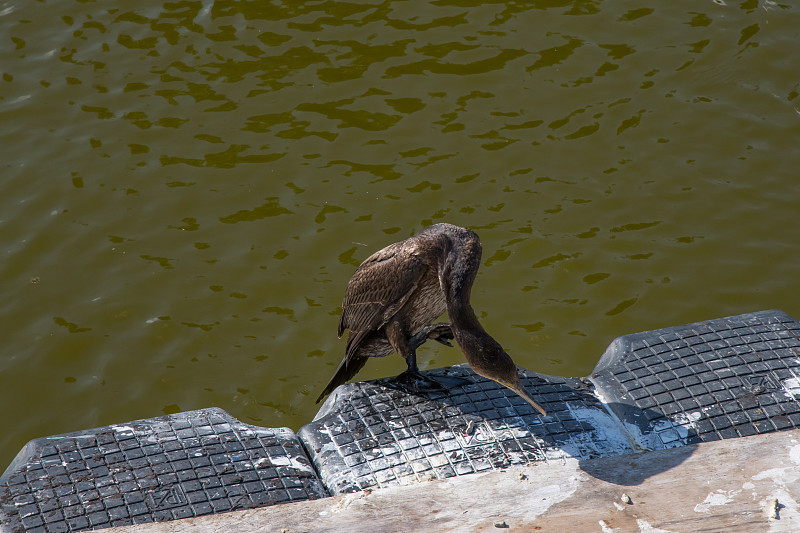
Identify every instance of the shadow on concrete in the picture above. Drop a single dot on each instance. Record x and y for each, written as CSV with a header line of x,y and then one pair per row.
x,y
658,443
634,469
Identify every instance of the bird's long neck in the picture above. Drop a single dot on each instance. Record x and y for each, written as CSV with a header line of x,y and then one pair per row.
x,y
457,274
462,317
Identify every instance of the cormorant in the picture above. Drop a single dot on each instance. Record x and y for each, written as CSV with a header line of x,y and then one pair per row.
x,y
395,295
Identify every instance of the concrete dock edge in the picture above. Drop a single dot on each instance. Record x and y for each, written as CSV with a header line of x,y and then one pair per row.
x,y
748,484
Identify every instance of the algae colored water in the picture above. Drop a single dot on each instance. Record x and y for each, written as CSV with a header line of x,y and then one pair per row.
x,y
187,186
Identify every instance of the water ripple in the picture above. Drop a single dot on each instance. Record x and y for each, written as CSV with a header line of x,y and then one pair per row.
x,y
188,186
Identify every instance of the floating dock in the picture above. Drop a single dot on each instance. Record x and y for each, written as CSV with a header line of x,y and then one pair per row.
x,y
688,428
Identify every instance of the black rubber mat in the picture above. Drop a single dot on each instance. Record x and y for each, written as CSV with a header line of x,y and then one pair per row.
x,y
187,464
718,379
370,435
722,378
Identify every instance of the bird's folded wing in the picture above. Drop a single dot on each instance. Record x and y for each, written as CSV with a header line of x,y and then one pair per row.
x,y
378,289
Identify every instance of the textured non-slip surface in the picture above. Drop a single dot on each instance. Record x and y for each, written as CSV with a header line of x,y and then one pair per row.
x,y
370,435
177,466
718,379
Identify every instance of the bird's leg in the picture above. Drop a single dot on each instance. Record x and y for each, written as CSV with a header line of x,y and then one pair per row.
x,y
412,379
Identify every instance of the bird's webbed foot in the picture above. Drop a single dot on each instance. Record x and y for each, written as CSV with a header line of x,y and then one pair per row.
x,y
441,333
415,381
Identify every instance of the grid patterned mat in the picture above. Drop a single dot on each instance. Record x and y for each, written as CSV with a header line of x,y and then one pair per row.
x,y
718,379
722,378
187,464
369,435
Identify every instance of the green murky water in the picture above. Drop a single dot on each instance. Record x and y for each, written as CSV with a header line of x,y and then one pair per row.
x,y
187,186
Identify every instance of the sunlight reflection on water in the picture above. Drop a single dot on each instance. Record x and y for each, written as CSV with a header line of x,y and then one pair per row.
x,y
188,186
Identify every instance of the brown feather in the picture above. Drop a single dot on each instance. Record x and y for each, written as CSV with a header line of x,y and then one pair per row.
x,y
403,288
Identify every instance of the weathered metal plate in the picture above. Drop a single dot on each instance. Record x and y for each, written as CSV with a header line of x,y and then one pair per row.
x,y
371,435
188,464
718,379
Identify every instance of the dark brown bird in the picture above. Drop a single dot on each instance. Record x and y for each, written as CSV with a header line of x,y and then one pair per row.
x,y
395,295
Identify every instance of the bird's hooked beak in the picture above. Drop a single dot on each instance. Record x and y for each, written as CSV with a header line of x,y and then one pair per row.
x,y
517,388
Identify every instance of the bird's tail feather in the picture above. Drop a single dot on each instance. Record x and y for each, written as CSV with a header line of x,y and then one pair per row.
x,y
348,368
